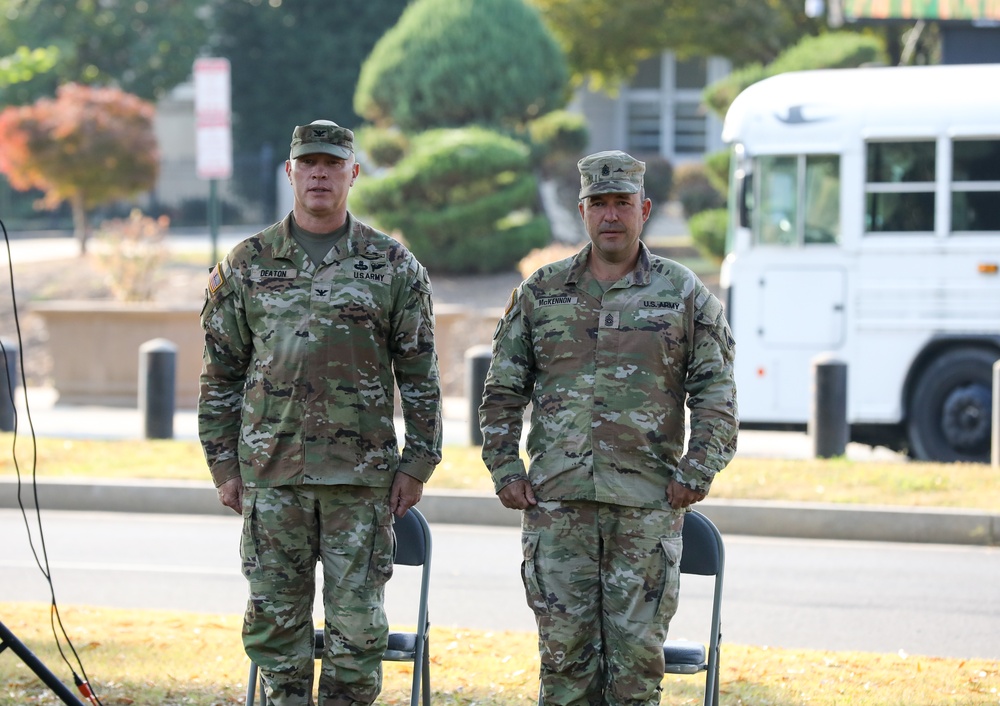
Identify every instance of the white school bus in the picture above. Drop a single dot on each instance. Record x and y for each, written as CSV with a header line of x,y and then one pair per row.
x,y
865,222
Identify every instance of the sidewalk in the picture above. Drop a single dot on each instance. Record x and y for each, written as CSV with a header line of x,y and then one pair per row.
x,y
776,519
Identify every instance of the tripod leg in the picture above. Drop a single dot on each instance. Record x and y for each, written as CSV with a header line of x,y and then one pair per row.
x,y
7,639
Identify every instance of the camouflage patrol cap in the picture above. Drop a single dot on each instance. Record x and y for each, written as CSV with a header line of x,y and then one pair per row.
x,y
612,172
323,136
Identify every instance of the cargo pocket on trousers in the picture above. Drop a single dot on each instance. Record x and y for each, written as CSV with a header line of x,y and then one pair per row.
x,y
672,546
383,548
529,574
249,547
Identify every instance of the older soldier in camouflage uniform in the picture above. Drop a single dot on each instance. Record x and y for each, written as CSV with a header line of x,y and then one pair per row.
x,y
307,326
607,346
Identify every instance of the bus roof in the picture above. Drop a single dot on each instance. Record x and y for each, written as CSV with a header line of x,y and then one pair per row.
x,y
822,109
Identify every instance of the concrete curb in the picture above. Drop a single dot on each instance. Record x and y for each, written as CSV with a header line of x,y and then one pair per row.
x,y
768,519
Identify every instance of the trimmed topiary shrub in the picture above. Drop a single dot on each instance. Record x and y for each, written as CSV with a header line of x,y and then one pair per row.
x,y
465,200
557,135
658,179
717,170
694,191
708,233
447,64
383,147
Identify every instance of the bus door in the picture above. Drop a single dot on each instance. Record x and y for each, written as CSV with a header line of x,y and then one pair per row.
x,y
802,314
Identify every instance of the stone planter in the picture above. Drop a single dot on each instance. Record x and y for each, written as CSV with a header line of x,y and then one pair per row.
x,y
94,347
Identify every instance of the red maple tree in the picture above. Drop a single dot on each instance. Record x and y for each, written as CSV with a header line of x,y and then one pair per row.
x,y
88,146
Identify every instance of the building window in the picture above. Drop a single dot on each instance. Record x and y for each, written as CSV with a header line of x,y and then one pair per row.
x,y
663,110
644,126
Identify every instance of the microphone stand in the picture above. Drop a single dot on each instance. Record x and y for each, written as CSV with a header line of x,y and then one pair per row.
x,y
8,639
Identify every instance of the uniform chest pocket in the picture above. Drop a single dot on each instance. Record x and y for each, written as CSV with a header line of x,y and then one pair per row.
x,y
665,327
559,329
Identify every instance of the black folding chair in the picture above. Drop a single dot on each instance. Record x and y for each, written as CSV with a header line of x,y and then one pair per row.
x,y
413,548
705,555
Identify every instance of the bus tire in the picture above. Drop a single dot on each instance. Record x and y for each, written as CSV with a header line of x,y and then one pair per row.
x,y
950,410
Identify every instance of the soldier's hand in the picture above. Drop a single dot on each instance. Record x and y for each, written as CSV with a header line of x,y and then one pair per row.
x,y
517,495
680,496
406,492
231,494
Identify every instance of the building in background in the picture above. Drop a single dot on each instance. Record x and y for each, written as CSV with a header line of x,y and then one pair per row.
x,y
659,112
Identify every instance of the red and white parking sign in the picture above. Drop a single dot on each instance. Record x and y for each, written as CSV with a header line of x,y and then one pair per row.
x,y
213,129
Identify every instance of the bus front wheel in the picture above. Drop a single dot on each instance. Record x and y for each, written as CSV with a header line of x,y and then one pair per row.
x,y
950,410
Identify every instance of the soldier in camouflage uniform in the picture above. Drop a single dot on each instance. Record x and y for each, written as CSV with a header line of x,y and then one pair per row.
x,y
608,346
308,324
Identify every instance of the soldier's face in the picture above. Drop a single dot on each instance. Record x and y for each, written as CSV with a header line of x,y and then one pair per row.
x,y
321,182
614,223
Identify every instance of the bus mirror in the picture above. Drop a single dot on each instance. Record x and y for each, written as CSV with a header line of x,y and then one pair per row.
x,y
744,191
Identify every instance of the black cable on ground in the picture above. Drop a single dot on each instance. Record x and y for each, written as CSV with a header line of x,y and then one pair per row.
x,y
41,559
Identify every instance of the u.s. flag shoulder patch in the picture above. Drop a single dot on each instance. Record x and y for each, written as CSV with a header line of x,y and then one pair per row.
x,y
216,279
511,302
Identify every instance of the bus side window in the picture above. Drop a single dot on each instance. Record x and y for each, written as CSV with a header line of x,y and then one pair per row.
x,y
822,200
799,200
777,211
975,175
899,187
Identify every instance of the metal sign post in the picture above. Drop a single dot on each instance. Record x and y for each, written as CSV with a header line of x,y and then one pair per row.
x,y
214,139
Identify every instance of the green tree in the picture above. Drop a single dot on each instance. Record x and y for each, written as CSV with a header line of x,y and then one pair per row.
x,y
604,42
24,64
88,146
448,64
293,62
144,47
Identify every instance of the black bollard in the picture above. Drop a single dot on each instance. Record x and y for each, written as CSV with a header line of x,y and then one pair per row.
x,y
477,364
828,426
8,384
157,366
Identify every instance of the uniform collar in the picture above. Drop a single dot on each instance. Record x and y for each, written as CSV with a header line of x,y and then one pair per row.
x,y
353,244
641,275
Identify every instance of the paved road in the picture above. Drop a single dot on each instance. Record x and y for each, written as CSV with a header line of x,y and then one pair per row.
x,y
867,596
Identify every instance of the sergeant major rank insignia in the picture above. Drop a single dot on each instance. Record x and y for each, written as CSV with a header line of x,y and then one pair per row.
x,y
610,319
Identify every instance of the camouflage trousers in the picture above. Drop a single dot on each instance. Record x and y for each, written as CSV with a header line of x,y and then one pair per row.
x,y
286,531
603,582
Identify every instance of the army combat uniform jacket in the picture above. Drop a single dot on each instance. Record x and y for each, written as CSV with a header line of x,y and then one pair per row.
x,y
300,360
608,375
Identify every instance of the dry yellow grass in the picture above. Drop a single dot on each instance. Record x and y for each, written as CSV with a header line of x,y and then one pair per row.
x,y
815,480
160,658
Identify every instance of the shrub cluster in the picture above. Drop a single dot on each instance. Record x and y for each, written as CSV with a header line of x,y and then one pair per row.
x,y
658,179
708,232
383,147
694,190
556,136
465,200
